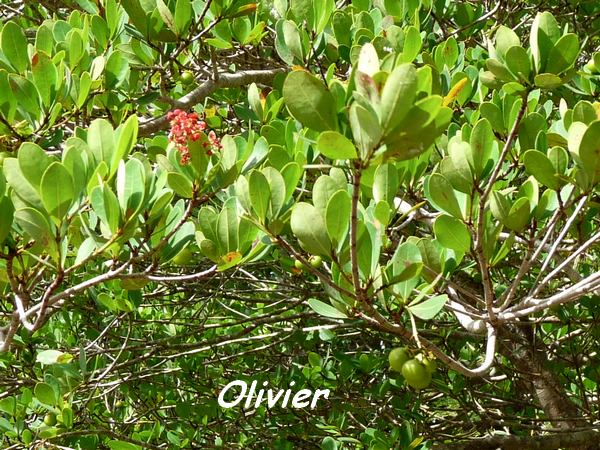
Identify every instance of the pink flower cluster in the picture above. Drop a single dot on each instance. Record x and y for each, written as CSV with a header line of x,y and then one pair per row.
x,y
187,127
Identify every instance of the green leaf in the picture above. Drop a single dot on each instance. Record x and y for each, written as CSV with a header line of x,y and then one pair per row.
x,y
260,194
547,81
33,162
277,190
166,15
440,193
45,394
23,188
309,227
482,144
385,183
49,357
227,226
397,96
428,309
365,129
323,189
334,145
499,205
325,310
101,140
35,225
452,233
7,211
518,216
406,262
545,32
180,184
505,39
538,165
57,190
122,445
518,62
499,70
117,66
337,216
14,46
564,54
106,206
309,101
45,77
127,137
589,151
131,185
183,16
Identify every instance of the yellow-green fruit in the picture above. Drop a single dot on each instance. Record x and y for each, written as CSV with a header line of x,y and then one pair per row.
x,y
187,77
50,419
430,365
315,261
183,258
397,358
298,264
416,374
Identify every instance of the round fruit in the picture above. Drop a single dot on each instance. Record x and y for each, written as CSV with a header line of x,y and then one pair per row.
x,y
430,365
187,77
50,419
315,261
298,264
397,358
183,258
416,374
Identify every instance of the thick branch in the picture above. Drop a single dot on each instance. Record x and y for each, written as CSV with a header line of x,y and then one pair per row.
x,y
546,442
225,80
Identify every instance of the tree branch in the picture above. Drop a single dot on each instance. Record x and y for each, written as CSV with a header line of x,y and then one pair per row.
x,y
225,80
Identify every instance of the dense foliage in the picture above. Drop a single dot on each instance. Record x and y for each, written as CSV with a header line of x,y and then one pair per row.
x,y
194,192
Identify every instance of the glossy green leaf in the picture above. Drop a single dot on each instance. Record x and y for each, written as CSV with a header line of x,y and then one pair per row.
x,y
101,140
7,211
440,193
517,61
57,190
545,32
547,81
35,225
564,54
14,46
45,77
406,262
397,96
309,227
334,145
429,308
589,151
33,162
538,165
385,183
277,190
452,233
337,216
260,194
49,357
365,129
309,101
181,184
505,39
325,310
45,394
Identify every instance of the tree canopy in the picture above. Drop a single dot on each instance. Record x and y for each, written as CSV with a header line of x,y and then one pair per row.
x,y
393,200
